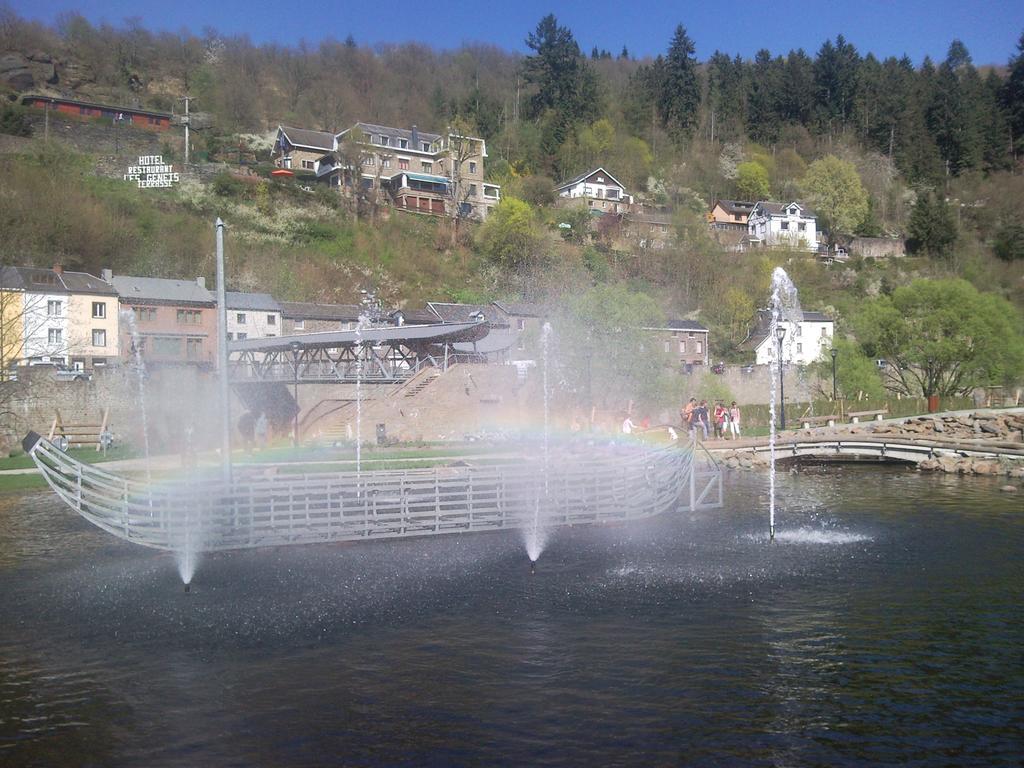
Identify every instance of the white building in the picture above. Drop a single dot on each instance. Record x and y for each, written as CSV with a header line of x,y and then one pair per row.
x,y
802,344
778,225
601,190
253,316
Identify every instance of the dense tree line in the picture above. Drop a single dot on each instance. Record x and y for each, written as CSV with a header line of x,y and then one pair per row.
x,y
933,121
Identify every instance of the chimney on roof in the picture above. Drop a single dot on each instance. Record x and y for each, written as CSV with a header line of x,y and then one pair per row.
x,y
107,274
58,268
201,282
415,138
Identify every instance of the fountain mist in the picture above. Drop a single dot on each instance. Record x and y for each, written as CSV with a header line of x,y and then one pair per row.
x,y
536,536
785,307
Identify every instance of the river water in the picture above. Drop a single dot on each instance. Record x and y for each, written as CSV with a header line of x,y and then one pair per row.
x,y
883,626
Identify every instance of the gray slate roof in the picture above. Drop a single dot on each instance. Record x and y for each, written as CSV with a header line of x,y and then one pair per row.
x,y
734,207
775,209
577,179
675,324
46,280
161,289
306,138
301,310
395,133
259,302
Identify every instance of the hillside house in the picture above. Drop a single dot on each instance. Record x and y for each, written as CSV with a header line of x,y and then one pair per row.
x,y
730,214
57,316
649,229
602,192
299,149
252,316
777,225
173,321
685,341
299,317
143,118
412,170
802,344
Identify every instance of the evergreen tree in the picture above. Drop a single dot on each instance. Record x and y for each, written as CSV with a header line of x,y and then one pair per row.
x,y
798,96
764,99
932,227
953,113
835,75
624,55
679,89
726,99
1013,97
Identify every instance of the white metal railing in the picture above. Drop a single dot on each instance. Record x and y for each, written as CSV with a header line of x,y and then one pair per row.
x,y
262,509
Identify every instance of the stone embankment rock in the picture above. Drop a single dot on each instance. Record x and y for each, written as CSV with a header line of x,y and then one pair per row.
x,y
981,425
741,459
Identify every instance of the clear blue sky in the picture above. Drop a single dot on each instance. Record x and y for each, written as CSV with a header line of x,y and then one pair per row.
x,y
989,29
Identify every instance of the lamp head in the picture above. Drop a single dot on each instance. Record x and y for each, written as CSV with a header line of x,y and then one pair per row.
x,y
780,332
834,353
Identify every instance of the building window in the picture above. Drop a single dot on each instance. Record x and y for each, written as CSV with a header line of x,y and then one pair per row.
x,y
472,166
385,162
99,309
801,226
271,319
54,335
824,331
799,331
799,348
520,324
368,160
308,165
53,308
286,161
242,336
189,316
682,346
700,348
785,226
427,167
167,346
194,348
403,144
231,336
384,141
99,337
403,163
240,318
425,146
144,314
300,325
472,190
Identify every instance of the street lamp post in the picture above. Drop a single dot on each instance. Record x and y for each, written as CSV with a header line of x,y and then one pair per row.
x,y
295,347
780,333
834,353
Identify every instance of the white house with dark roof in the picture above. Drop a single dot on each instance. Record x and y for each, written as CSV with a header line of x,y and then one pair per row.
x,y
783,225
802,344
253,316
602,191
685,341
299,149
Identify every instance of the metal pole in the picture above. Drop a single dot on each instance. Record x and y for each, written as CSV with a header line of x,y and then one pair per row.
x,y
295,390
222,349
186,121
782,390
833,376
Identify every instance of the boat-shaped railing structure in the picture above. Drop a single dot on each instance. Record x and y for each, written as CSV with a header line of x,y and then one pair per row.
x,y
265,505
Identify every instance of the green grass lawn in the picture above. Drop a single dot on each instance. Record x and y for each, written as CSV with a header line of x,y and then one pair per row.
x,y
84,455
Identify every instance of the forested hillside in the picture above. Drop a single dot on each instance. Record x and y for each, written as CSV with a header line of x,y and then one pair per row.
x,y
930,151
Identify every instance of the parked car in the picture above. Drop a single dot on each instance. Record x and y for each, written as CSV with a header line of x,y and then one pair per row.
x,y
747,369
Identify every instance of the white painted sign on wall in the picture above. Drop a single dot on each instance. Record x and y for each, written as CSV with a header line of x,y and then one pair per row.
x,y
152,172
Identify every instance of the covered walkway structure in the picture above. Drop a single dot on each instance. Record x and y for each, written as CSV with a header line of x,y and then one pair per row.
x,y
375,355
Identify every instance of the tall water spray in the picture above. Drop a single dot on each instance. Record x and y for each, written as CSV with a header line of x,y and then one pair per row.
x,y
785,308
360,324
536,536
128,318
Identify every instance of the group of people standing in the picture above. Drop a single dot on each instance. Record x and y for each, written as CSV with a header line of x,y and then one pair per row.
x,y
698,419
